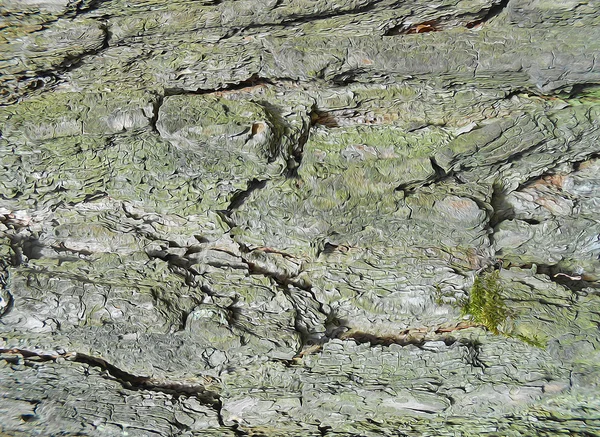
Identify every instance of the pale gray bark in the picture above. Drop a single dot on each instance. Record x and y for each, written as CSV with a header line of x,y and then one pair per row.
x,y
268,217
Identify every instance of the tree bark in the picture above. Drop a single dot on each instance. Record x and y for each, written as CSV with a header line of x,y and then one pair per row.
x,y
299,217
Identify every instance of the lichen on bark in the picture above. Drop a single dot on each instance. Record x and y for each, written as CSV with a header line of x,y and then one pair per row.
x,y
299,217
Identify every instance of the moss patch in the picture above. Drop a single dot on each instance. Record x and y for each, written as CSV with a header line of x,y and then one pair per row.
x,y
486,305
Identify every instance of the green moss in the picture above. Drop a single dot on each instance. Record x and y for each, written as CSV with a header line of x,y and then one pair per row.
x,y
486,305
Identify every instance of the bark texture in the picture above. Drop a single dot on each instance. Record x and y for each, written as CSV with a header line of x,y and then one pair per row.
x,y
300,217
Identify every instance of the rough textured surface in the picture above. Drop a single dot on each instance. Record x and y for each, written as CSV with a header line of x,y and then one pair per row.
x,y
298,217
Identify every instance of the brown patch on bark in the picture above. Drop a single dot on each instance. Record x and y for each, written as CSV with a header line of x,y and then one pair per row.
x,y
556,180
424,27
258,128
323,119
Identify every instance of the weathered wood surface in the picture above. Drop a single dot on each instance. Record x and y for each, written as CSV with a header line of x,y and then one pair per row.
x,y
268,217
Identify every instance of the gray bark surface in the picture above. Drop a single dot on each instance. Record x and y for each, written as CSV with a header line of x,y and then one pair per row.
x,y
300,218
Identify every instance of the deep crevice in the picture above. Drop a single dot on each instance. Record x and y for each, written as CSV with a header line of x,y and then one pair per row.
x,y
238,199
407,337
445,23
583,89
126,379
494,11
253,80
422,27
568,279
440,175
81,7
70,63
323,118
473,348
502,210
156,105
280,127
324,430
38,80
351,76
303,19
297,152
530,221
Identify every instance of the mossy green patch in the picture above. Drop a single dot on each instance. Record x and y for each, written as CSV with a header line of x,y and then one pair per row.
x,y
486,305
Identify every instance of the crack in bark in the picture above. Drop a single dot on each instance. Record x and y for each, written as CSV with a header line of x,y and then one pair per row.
x,y
80,9
156,105
36,81
6,297
408,337
582,89
575,165
472,358
568,279
129,381
445,22
237,30
494,11
284,282
238,199
411,336
254,80
303,19
440,175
